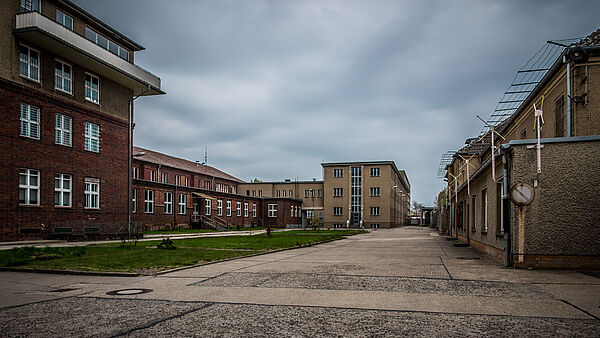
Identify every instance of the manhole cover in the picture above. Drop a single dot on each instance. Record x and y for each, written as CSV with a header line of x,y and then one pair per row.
x,y
63,290
128,292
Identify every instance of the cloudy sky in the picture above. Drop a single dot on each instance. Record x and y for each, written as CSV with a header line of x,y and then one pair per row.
x,y
274,88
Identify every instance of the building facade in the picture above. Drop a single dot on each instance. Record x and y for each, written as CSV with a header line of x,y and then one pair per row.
x,y
67,85
352,194
560,228
170,192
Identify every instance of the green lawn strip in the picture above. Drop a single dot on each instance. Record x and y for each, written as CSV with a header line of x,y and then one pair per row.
x,y
177,231
334,232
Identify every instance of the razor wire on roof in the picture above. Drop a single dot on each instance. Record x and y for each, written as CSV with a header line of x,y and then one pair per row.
x,y
526,79
444,161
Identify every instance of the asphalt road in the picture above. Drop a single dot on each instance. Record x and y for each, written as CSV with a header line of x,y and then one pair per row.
x,y
406,281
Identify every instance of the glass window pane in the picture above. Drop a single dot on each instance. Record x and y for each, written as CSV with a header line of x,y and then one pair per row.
x,y
66,199
90,35
57,198
21,196
33,196
68,22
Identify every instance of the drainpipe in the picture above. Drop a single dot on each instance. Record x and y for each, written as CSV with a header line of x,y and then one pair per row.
x,y
506,205
568,95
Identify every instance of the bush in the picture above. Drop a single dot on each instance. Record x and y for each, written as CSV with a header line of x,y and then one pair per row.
x,y
166,244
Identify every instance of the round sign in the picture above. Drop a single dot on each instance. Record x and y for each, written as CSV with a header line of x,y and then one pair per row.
x,y
522,194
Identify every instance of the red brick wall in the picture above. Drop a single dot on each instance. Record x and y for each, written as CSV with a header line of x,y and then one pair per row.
x,y
284,216
109,165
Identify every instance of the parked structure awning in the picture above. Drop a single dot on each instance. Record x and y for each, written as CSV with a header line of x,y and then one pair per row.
x,y
201,195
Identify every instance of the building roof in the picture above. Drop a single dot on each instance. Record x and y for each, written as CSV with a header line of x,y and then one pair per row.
x,y
591,40
286,182
155,157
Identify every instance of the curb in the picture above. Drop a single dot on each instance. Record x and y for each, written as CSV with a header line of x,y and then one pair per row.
x,y
73,272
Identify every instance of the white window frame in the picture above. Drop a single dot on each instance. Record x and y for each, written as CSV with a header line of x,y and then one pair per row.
x,y
375,211
312,193
239,209
374,225
187,181
27,188
89,85
31,7
278,193
90,138
30,64
320,193
219,208
92,196
338,211
375,192
338,192
338,173
182,204
291,211
168,203
30,120
64,194
208,207
228,208
309,214
63,128
376,172
272,210
148,201
60,79
283,193
134,200
136,172
253,209
291,193
163,177
64,22
485,210
245,209
306,195
178,180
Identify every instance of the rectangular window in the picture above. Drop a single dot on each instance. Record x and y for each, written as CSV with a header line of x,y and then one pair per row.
x,y
272,211
291,194
149,201
375,191
163,177
208,207
219,208
30,121
177,180
238,206
30,5
559,115
259,192
338,173
320,193
62,76
253,209
306,193
92,88
182,204
283,193
134,200
29,63
374,226
338,192
312,193
484,210
309,214
63,130
278,193
291,211
228,208
92,193
187,181
136,172
375,172
337,225
62,190
92,137
29,187
168,203
337,211
106,44
245,209
253,193
375,211
473,212
64,19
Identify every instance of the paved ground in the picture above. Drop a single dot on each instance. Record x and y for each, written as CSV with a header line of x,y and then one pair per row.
x,y
405,281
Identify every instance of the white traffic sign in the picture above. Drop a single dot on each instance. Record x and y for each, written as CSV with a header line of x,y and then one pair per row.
x,y
521,194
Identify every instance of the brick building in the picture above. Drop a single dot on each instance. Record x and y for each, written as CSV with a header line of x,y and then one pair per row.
x,y
351,194
561,227
67,85
170,192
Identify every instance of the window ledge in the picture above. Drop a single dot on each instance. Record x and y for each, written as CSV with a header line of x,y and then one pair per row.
x,y
63,207
499,234
30,205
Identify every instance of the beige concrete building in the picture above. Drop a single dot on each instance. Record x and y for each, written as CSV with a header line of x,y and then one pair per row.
x,y
351,194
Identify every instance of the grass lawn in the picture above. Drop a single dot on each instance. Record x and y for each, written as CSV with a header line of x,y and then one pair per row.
x,y
145,257
177,231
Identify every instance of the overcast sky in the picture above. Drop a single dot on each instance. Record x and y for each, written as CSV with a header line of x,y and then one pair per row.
x,y
275,88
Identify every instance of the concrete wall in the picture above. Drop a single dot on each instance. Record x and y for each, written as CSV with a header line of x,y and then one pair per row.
x,y
564,218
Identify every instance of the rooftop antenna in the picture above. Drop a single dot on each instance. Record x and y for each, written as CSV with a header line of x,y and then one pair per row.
x,y
205,155
493,131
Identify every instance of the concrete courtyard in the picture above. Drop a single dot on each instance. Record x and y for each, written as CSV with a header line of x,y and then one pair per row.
x,y
405,281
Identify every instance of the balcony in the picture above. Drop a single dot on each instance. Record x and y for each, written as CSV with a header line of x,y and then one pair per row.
x,y
45,33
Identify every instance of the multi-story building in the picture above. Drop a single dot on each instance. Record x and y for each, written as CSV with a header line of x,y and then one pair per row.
x,y
67,85
170,192
558,224
352,194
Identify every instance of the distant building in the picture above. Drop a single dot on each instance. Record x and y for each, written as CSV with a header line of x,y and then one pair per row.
x,y
352,194
67,85
561,226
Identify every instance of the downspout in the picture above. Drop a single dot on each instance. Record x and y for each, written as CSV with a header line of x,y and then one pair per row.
x,y
568,95
506,205
129,154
